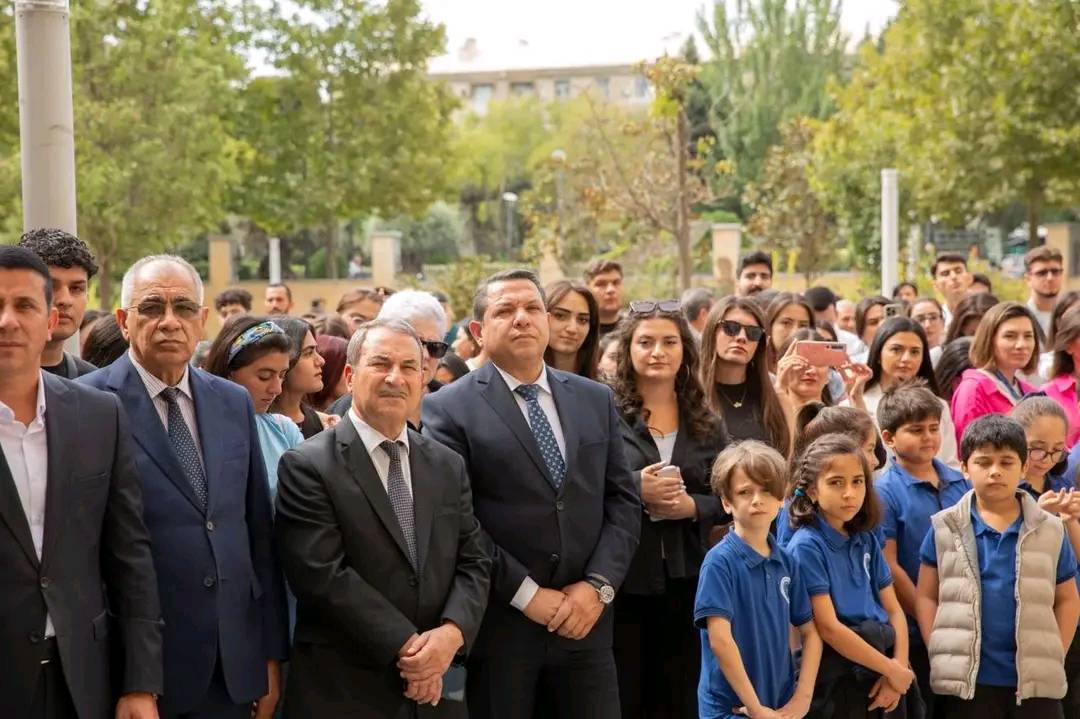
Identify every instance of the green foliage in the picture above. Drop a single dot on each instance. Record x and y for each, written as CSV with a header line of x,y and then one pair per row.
x,y
461,279
434,238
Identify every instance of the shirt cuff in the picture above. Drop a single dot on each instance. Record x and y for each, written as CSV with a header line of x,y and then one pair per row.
x,y
524,594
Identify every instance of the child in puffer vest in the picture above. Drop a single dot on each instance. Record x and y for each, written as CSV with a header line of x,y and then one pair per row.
x,y
997,603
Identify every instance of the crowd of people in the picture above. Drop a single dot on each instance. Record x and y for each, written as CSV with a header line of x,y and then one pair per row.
x,y
563,504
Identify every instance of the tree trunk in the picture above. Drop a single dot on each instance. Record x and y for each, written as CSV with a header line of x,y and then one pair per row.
x,y
332,228
1034,210
104,282
682,221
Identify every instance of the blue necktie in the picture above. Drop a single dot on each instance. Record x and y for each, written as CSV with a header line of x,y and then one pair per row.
x,y
545,438
400,497
183,444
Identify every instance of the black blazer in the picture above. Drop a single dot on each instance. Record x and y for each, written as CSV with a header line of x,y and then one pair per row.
x,y
684,540
96,576
588,527
221,588
358,596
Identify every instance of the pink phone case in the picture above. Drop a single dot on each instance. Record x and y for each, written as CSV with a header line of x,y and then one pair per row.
x,y
823,354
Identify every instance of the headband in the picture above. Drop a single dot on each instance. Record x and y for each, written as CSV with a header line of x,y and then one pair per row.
x,y
252,335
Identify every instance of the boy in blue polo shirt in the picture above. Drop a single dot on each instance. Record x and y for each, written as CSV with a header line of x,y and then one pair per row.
x,y
749,596
997,604
913,486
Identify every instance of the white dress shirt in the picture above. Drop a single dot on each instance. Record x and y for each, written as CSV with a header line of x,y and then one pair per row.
x,y
529,587
372,440
154,388
26,450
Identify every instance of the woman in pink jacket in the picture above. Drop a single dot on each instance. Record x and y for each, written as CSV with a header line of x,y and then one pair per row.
x,y
1006,343
1062,384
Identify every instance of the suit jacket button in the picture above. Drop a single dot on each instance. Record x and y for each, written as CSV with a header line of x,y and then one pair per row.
x,y
45,582
413,581
559,505
209,526
208,582
35,637
554,558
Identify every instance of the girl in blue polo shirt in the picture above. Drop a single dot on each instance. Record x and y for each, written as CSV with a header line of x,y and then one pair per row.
x,y
864,670
749,596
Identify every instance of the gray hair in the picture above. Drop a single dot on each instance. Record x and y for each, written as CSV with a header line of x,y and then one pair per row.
x,y
409,305
356,344
127,286
694,300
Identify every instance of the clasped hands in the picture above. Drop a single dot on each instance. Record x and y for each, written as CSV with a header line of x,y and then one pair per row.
x,y
425,658
665,497
571,613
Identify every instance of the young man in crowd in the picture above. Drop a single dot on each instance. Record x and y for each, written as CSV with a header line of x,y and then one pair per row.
x,y
952,280
1043,272
278,299
232,301
71,265
755,274
605,280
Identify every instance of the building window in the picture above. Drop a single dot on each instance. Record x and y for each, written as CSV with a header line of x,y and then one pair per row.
x,y
562,89
642,88
603,85
481,96
517,89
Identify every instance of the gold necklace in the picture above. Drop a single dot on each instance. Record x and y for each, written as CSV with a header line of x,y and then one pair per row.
x,y
733,403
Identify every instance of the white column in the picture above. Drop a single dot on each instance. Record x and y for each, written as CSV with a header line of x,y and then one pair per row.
x,y
890,230
275,260
46,120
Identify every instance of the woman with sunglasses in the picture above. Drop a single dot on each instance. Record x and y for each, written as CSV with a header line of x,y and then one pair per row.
x,y
574,328
304,377
735,373
671,441
900,352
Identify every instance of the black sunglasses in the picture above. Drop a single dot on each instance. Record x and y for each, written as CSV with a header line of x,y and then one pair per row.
x,y
435,349
644,307
732,329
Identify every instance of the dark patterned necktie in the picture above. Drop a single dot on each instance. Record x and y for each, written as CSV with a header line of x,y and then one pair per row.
x,y
184,445
545,437
400,497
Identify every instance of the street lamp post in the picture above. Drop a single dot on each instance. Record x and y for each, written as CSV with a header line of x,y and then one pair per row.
x,y
510,198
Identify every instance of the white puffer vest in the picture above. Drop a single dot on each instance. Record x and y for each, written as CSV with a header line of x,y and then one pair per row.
x,y
956,638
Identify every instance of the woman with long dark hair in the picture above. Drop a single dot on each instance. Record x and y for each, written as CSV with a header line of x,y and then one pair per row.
x,y
304,378
671,440
574,328
787,313
735,373
969,312
899,353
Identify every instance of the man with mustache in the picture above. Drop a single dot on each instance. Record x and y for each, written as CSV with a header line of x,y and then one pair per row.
x,y
206,502
381,548
556,497
71,266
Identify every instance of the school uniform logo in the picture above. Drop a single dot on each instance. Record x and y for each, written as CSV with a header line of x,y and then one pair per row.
x,y
785,584
866,565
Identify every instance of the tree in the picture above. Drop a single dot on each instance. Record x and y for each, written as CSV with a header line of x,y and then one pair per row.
x,y
352,125
786,211
433,238
772,60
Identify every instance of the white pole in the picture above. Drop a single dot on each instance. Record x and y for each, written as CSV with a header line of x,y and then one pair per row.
x,y
46,119
275,260
890,230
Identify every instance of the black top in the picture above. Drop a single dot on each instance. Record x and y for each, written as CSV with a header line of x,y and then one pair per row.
x,y
743,411
311,425
673,548
71,367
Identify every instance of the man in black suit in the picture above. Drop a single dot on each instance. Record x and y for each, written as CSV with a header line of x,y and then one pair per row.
x,y
381,548
553,491
78,578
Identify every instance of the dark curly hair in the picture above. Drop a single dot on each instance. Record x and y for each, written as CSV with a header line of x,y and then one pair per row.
x,y
811,464
60,249
703,423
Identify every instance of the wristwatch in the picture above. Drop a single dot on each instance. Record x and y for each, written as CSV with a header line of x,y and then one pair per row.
x,y
605,590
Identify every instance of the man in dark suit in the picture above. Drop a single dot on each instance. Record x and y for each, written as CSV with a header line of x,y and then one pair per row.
x,y
381,547
206,499
78,579
554,493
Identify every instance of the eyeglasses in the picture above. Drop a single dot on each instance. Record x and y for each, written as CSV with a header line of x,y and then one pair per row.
x,y
435,349
732,329
1049,272
155,309
928,318
1038,454
644,307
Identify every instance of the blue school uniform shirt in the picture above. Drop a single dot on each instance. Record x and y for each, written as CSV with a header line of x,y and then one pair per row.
x,y
761,597
784,530
907,505
851,570
997,575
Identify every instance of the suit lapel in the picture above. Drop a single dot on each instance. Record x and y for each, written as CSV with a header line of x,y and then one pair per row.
x,y
424,491
210,435
146,426
11,511
497,394
61,414
645,443
565,401
360,466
